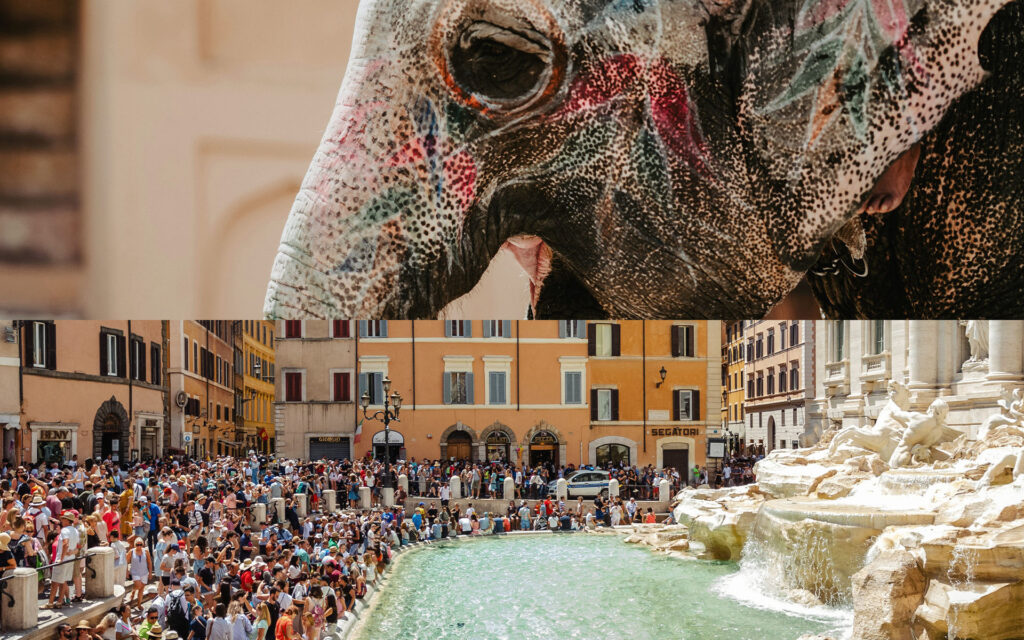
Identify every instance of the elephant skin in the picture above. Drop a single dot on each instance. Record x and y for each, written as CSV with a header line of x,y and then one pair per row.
x,y
666,158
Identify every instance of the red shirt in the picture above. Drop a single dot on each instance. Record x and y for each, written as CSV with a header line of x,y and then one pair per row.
x,y
281,628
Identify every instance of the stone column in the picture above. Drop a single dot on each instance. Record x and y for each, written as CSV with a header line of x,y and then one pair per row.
x,y
561,489
300,504
330,503
664,491
99,572
259,513
456,486
923,364
510,488
364,497
613,488
277,504
387,496
403,481
23,613
1005,355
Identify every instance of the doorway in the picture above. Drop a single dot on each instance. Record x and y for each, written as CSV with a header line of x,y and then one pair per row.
x,y
544,449
677,458
770,441
460,446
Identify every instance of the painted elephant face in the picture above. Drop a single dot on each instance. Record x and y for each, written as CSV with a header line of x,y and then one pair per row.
x,y
675,158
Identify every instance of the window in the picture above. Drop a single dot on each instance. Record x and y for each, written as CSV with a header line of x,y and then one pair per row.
x,y
184,352
794,334
341,329
683,337
138,359
771,382
342,384
571,328
760,385
771,341
112,354
603,339
373,328
218,411
496,387
877,336
497,328
838,340
612,455
293,386
41,345
458,387
292,329
458,329
686,404
604,404
759,347
794,377
750,386
796,444
155,364
782,378
782,335
195,357
373,383
573,387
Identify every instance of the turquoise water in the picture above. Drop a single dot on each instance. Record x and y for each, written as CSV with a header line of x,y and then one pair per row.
x,y
569,586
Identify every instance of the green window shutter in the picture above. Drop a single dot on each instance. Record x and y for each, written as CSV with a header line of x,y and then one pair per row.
x,y
447,388
469,388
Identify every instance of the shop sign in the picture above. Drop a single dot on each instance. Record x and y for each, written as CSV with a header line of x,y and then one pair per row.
x,y
675,431
328,439
55,434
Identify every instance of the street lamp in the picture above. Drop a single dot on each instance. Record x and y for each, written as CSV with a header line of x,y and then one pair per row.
x,y
661,373
392,405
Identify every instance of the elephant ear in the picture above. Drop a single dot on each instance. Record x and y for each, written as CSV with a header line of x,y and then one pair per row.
x,y
831,92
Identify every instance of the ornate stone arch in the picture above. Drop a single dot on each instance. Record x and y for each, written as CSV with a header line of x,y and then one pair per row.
x,y
111,412
459,427
498,426
626,442
543,425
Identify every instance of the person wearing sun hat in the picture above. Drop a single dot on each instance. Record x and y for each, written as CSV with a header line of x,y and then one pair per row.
x,y
6,557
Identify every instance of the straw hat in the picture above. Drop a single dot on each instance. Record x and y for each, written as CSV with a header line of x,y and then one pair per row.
x,y
37,501
5,539
170,634
156,632
84,624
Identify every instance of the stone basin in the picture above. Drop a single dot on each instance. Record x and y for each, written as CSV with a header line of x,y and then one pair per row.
x,y
914,481
817,545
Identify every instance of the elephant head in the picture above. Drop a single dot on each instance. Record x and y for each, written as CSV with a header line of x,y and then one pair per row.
x,y
655,158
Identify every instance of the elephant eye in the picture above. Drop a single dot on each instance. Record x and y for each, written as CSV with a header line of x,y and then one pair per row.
x,y
500,69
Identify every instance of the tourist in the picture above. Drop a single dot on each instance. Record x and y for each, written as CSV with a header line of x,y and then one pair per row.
x,y
140,566
123,628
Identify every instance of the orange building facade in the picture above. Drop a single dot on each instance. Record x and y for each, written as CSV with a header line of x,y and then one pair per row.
x,y
568,392
92,389
201,373
654,391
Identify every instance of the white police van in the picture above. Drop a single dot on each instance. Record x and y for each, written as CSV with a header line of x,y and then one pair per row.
x,y
584,482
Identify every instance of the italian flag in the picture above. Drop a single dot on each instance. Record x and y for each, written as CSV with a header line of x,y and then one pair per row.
x,y
359,431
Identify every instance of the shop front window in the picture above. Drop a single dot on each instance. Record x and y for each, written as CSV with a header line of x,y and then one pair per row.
x,y
612,455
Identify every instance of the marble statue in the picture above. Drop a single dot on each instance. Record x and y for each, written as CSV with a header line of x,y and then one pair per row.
x,y
1012,405
884,436
924,431
977,337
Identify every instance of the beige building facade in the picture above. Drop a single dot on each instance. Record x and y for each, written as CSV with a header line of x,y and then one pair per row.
x,y
315,388
780,380
10,388
92,389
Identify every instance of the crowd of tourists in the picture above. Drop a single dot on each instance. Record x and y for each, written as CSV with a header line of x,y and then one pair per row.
x,y
198,566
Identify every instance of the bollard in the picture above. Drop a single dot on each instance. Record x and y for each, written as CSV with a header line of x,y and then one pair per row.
x,y
510,488
664,491
23,613
613,488
301,504
364,497
456,486
561,489
259,513
277,504
330,501
403,481
99,572
387,497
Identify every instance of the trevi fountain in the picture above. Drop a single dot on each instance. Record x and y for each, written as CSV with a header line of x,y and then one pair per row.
x,y
915,525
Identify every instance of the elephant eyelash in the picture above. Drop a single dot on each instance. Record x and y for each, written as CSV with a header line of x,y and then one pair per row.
x,y
513,39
